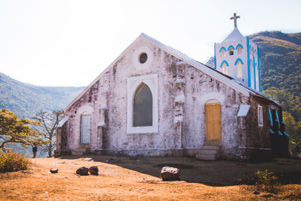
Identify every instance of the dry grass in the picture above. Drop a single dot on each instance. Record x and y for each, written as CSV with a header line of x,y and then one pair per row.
x,y
123,178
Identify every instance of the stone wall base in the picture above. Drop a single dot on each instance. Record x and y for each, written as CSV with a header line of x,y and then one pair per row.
x,y
243,153
252,154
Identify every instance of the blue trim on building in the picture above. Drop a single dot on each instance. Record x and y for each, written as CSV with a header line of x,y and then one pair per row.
x,y
258,61
238,60
271,117
230,47
286,134
254,66
277,118
215,56
248,55
271,131
240,46
280,133
222,49
223,63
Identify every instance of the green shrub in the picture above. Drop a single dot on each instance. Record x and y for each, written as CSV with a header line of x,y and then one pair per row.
x,y
267,181
13,162
262,181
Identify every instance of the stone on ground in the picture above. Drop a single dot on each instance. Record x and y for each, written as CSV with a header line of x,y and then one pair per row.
x,y
54,170
82,171
93,170
170,174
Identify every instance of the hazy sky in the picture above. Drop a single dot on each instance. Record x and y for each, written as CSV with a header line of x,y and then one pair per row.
x,y
69,43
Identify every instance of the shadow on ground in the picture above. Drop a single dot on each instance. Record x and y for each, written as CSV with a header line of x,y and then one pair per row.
x,y
212,173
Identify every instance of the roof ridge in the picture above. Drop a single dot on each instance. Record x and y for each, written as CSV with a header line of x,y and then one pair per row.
x,y
196,64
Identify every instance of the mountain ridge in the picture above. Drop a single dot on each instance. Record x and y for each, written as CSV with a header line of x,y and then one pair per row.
x,y
13,93
280,62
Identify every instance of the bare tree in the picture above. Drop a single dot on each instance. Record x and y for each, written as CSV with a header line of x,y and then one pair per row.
x,y
50,121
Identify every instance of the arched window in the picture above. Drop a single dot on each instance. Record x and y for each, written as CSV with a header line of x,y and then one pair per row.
x,y
231,51
85,128
225,68
143,106
239,50
239,69
223,53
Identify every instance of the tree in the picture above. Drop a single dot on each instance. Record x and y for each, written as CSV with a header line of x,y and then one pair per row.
x,y
291,114
20,131
49,123
290,103
293,128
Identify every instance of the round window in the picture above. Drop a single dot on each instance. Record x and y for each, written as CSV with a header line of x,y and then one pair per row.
x,y
143,57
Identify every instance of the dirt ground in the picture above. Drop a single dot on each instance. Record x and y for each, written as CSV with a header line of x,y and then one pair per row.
x,y
124,178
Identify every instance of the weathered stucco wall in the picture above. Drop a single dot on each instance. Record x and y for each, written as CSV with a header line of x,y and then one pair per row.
x,y
201,88
114,135
182,92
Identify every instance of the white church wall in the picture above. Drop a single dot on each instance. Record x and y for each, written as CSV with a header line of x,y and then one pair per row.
x,y
201,88
115,136
109,100
88,105
153,141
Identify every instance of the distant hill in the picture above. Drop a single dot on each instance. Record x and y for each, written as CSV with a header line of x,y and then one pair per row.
x,y
25,100
280,67
280,60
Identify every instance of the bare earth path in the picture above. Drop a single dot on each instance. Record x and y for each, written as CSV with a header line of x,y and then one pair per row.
x,y
123,178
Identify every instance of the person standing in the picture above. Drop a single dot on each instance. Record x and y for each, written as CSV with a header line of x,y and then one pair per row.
x,y
34,149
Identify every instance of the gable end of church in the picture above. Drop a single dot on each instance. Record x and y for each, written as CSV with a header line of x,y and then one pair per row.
x,y
155,101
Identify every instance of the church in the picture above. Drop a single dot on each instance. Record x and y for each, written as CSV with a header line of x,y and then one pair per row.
x,y
155,101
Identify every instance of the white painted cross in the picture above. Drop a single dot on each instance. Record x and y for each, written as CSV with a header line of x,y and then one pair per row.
x,y
234,18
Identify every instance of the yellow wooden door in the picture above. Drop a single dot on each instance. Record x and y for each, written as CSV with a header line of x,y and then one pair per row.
x,y
213,122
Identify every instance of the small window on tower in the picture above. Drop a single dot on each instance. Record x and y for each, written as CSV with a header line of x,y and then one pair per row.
x,y
223,53
239,50
231,51
225,68
239,69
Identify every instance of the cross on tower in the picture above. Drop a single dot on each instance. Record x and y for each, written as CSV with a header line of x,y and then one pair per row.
x,y
234,18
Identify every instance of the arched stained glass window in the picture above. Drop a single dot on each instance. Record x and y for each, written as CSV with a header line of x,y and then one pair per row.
x,y
143,106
